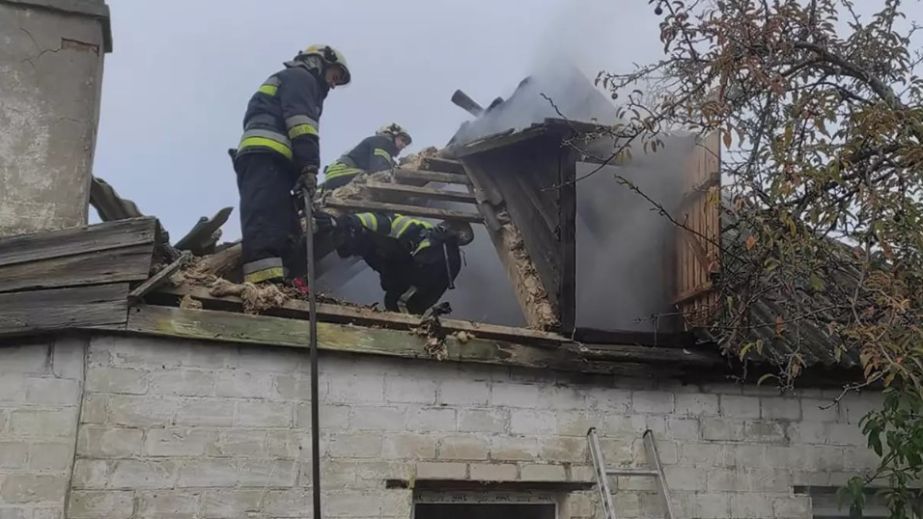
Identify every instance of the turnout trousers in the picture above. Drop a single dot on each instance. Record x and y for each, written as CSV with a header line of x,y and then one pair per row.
x,y
268,217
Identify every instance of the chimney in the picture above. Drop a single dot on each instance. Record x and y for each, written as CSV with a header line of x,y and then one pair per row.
x,y
51,66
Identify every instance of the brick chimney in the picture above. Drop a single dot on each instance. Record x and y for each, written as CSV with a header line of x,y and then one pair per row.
x,y
51,66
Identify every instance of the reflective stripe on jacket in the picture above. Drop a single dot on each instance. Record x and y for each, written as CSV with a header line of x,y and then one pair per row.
x,y
283,116
412,232
373,154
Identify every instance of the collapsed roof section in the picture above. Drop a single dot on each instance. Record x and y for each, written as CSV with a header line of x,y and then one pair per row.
x,y
526,186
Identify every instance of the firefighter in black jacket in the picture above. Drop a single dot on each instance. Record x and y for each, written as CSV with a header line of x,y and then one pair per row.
x,y
278,153
416,260
375,153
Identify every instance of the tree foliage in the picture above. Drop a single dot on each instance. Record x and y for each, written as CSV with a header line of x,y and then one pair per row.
x,y
819,110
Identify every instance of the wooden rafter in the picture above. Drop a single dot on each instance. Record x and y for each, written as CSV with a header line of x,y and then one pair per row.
x,y
406,209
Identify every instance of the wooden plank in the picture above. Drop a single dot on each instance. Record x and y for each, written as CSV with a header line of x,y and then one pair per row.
x,y
159,278
108,204
442,165
555,126
691,294
528,288
367,317
406,209
422,192
131,263
69,242
498,140
31,312
224,263
277,331
203,236
534,176
532,195
697,257
567,238
430,176
651,354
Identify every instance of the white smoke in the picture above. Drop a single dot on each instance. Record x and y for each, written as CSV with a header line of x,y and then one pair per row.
x,y
623,275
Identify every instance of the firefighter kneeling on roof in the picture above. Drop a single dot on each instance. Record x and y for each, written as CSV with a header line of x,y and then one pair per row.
x,y
279,153
416,261
373,154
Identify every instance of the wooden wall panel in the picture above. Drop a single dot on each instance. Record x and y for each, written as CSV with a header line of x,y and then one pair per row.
x,y
697,251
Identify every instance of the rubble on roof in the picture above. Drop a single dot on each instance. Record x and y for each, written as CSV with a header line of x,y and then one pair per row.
x,y
201,239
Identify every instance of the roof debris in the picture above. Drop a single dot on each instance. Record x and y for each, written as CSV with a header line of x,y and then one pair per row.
x,y
190,303
431,328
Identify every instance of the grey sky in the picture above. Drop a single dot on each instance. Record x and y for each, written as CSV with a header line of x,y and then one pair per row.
x,y
177,83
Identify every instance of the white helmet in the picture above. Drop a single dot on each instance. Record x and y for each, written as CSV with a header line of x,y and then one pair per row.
x,y
394,130
330,57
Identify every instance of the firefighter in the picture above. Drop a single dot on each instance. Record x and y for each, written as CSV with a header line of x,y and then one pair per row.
x,y
436,262
279,153
416,261
375,153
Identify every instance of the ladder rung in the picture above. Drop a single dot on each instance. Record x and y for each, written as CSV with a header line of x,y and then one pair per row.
x,y
407,209
430,176
422,192
603,473
632,472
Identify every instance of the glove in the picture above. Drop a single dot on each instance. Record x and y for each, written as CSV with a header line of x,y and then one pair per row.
x,y
324,222
307,181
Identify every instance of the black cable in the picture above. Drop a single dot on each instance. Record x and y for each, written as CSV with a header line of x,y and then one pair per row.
x,y
312,340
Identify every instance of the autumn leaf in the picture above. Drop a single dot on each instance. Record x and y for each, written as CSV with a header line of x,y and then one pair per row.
x,y
751,242
817,283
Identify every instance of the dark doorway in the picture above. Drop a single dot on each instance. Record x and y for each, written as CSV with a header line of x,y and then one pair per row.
x,y
484,511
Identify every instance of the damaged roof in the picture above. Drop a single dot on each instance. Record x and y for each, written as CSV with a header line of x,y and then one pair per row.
x,y
108,286
106,278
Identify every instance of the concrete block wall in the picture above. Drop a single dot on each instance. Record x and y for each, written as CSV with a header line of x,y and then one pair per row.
x,y
184,429
40,394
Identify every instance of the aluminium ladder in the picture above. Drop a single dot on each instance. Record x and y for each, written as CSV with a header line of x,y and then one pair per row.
x,y
603,473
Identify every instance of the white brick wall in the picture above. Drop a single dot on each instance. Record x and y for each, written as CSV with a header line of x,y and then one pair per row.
x,y
40,389
184,429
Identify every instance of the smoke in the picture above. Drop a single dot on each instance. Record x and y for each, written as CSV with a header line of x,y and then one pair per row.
x,y
482,291
559,92
624,244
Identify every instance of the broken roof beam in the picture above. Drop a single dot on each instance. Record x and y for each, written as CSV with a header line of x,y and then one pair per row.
x,y
204,235
111,207
441,164
420,192
533,171
405,209
161,277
